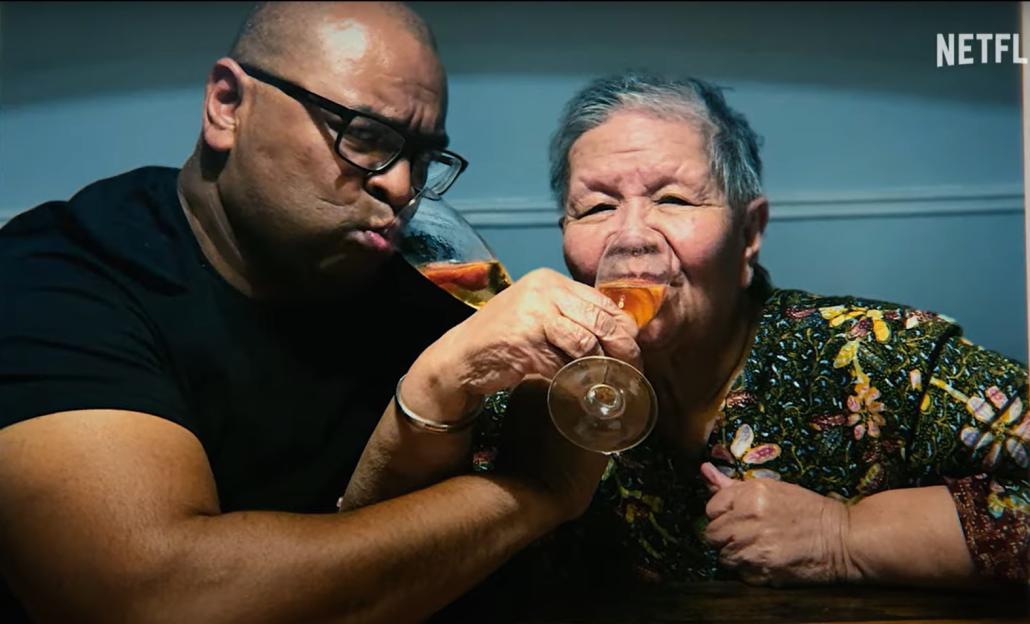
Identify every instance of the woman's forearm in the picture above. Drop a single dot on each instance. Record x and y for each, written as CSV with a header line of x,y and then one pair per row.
x,y
909,536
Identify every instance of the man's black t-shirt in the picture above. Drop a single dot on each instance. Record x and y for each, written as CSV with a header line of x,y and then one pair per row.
x,y
106,301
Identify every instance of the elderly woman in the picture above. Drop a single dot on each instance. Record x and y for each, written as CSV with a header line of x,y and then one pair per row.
x,y
801,438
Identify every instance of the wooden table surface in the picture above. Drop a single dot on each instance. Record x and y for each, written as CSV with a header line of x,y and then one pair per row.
x,y
738,603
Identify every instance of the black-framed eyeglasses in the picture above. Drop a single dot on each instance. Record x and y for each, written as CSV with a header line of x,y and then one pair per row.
x,y
372,143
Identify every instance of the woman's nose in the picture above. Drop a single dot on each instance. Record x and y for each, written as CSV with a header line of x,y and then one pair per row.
x,y
636,212
638,215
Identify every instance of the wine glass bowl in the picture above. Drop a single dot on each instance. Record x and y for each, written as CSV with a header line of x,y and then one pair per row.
x,y
638,298
434,238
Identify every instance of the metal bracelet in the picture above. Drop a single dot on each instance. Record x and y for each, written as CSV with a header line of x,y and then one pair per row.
x,y
431,425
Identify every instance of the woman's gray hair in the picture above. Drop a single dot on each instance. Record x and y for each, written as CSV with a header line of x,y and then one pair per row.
x,y
732,145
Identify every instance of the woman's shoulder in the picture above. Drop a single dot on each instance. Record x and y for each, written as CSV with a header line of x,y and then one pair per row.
x,y
799,300
804,336
853,317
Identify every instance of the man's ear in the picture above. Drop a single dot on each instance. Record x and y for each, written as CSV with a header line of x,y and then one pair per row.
x,y
756,217
223,95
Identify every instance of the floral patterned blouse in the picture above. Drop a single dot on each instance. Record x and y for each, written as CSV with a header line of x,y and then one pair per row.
x,y
843,396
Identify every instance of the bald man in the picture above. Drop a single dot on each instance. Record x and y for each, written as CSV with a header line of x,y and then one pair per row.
x,y
191,362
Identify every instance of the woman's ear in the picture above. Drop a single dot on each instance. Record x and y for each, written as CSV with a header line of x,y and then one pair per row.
x,y
223,95
756,217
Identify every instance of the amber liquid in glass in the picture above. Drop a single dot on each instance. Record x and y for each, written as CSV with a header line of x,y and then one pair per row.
x,y
472,282
640,300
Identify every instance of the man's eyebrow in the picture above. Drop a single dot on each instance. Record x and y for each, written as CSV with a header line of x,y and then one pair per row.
x,y
430,140
425,139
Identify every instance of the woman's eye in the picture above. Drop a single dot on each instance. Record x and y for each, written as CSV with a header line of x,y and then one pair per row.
x,y
675,201
596,208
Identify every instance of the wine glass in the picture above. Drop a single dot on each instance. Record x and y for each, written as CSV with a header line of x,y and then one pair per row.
x,y
434,238
600,403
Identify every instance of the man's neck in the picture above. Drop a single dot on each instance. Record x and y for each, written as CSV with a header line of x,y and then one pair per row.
x,y
206,215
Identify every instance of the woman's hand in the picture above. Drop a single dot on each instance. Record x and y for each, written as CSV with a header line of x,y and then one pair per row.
x,y
775,533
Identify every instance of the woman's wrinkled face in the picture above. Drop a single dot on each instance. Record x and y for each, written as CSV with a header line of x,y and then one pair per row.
x,y
640,171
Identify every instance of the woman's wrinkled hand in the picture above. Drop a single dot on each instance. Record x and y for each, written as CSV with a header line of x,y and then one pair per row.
x,y
775,533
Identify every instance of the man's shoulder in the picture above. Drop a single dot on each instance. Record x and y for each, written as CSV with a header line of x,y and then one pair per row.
x,y
143,185
129,225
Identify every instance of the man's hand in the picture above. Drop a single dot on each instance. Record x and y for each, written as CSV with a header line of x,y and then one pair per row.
x,y
536,326
776,533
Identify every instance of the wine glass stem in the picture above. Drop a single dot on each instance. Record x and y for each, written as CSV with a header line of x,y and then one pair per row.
x,y
604,402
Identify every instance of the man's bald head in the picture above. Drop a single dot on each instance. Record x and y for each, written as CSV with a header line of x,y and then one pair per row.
x,y
286,33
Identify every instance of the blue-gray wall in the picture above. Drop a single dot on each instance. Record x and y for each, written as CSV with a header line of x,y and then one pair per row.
x,y
889,177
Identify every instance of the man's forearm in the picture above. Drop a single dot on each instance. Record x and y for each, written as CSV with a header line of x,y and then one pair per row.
x,y
910,536
399,459
398,561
